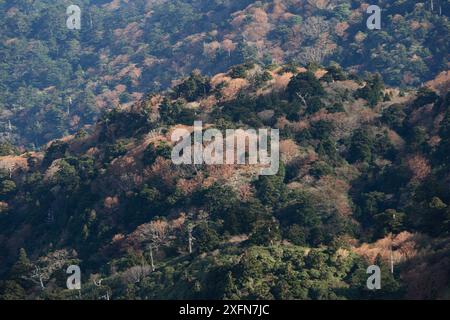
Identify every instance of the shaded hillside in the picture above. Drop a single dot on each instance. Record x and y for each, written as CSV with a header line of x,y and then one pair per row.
x,y
54,81
364,167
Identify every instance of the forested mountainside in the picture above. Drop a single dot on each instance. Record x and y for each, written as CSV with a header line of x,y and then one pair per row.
x,y
54,81
364,168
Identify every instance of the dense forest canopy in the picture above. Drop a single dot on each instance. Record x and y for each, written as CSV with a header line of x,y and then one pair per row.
x,y
364,169
86,170
55,81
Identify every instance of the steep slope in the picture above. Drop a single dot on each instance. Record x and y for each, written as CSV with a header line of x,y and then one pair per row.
x,y
364,168
54,81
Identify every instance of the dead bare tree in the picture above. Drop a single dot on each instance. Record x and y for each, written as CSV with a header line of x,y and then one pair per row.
x,y
98,284
136,274
154,234
190,228
303,98
46,266
38,276
314,27
312,55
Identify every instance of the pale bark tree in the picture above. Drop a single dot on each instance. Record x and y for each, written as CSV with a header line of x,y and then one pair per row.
x,y
303,98
46,266
190,237
229,46
136,274
98,284
314,27
312,55
155,234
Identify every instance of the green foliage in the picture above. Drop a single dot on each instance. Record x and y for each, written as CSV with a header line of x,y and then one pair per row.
x,y
193,87
443,150
321,169
56,150
425,96
7,149
51,77
206,238
266,233
327,148
392,288
336,107
373,90
22,267
154,151
321,130
115,150
7,187
297,235
304,86
314,105
287,236
11,290
66,175
239,71
172,113
360,147
260,79
389,221
334,73
271,189
219,198
243,217
394,116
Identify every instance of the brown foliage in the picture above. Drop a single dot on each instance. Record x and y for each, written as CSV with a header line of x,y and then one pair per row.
x,y
404,247
340,28
289,150
441,83
111,202
333,195
157,233
419,167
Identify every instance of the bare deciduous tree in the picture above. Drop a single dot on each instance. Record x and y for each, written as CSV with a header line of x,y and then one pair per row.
x,y
136,274
46,266
154,235
314,27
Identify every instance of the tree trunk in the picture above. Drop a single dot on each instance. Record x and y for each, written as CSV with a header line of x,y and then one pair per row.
x,y
190,240
303,99
151,258
41,282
